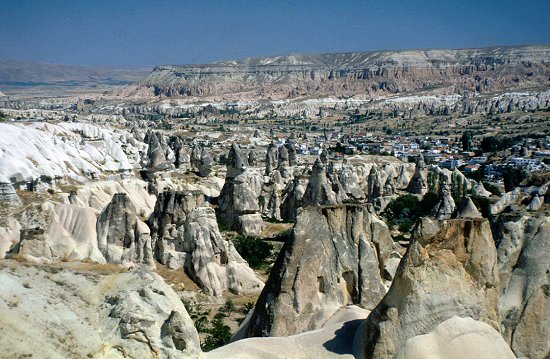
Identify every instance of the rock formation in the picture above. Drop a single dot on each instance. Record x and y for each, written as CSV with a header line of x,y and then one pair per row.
x,y
445,207
418,183
209,260
374,185
450,269
356,73
468,210
524,283
186,235
121,237
7,192
238,203
319,190
271,159
403,177
336,257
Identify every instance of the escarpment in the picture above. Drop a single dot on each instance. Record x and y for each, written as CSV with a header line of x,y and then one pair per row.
x,y
482,70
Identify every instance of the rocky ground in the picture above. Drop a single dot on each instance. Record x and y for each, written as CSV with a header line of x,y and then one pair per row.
x,y
172,228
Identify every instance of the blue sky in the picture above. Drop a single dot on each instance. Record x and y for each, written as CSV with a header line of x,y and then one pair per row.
x,y
145,33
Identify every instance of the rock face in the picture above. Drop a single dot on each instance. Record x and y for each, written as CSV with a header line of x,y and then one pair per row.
x,y
450,269
336,257
120,238
238,202
72,234
352,73
525,284
106,313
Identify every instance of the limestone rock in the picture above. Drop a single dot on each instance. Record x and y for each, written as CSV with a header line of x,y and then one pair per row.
x,y
403,177
167,225
335,258
451,273
237,197
250,225
157,153
283,157
292,197
479,190
350,183
33,246
375,187
271,159
292,155
507,199
236,162
205,164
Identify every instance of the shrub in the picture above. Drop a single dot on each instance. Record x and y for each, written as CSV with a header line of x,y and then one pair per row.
x,y
492,188
254,251
219,334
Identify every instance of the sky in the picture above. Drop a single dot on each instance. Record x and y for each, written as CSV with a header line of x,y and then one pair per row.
x,y
140,33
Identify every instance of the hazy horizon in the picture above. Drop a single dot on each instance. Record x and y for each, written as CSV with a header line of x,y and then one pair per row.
x,y
143,34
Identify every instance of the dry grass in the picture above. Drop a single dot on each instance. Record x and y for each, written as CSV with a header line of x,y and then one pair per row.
x,y
178,279
272,230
